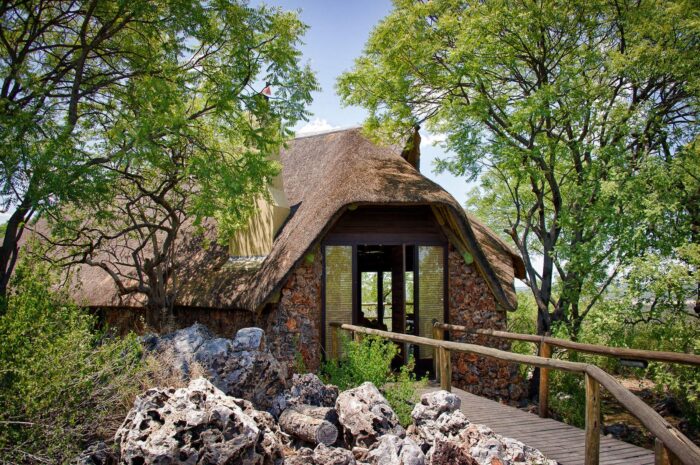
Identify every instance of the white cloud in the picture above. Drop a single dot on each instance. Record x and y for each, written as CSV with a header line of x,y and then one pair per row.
x,y
429,139
317,125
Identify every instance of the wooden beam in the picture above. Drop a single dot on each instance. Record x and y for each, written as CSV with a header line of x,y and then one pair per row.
x,y
619,352
445,369
438,335
546,352
592,447
335,352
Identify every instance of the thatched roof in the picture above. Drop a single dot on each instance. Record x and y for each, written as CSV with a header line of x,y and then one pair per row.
x,y
323,175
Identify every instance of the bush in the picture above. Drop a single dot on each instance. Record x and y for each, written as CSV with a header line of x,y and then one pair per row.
x,y
370,360
62,384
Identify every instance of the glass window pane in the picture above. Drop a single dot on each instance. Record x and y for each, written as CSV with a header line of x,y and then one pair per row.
x,y
387,296
338,262
431,303
368,291
409,304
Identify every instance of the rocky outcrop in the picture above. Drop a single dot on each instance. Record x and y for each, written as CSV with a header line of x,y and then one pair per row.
x,y
366,415
242,367
197,424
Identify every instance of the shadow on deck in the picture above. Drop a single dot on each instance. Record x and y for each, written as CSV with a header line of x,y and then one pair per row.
x,y
556,440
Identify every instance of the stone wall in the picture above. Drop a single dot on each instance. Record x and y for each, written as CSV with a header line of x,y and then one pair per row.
x,y
293,325
472,304
222,322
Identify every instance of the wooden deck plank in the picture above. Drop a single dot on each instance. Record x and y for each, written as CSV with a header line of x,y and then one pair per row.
x,y
558,441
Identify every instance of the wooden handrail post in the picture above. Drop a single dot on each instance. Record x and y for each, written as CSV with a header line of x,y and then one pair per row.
x,y
439,335
545,351
445,369
335,354
592,451
663,456
357,337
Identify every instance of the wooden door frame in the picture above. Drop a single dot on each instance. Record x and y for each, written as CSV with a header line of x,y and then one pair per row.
x,y
403,242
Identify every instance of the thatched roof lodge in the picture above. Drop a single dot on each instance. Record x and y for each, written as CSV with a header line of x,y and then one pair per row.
x,y
367,239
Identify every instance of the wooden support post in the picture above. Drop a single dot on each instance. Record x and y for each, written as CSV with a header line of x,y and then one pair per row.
x,y
445,369
545,351
439,335
592,451
663,456
335,353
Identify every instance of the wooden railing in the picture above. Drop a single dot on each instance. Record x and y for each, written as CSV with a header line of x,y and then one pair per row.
x,y
545,344
672,446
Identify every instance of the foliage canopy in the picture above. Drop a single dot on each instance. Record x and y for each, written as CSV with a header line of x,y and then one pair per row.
x,y
573,113
95,92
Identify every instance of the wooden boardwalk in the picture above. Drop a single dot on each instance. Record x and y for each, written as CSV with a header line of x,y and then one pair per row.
x,y
556,440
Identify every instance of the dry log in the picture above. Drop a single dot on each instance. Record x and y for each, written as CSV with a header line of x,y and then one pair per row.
x,y
320,413
308,428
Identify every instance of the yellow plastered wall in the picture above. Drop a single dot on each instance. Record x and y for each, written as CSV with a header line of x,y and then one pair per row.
x,y
256,238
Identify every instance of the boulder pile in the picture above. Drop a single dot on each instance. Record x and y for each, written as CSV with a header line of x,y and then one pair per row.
x,y
200,424
242,367
302,421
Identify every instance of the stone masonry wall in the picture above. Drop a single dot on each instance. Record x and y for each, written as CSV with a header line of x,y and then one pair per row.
x,y
293,325
222,322
472,304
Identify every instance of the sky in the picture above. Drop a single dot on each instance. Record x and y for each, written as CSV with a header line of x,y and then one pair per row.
x,y
337,34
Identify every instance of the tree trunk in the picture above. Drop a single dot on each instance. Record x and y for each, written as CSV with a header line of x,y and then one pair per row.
x,y
543,327
10,248
307,428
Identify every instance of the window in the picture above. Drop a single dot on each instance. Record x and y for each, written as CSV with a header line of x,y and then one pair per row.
x,y
338,285
431,289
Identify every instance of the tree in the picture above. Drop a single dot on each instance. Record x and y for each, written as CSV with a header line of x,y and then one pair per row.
x,y
95,93
569,111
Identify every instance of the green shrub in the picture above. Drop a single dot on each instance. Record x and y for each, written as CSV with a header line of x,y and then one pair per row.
x,y
62,384
370,360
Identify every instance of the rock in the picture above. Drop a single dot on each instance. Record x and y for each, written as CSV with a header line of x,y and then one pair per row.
x,y
366,415
393,450
433,404
360,453
303,456
309,389
411,454
197,424
448,452
325,455
180,345
489,448
243,367
385,451
97,454
249,339
437,417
